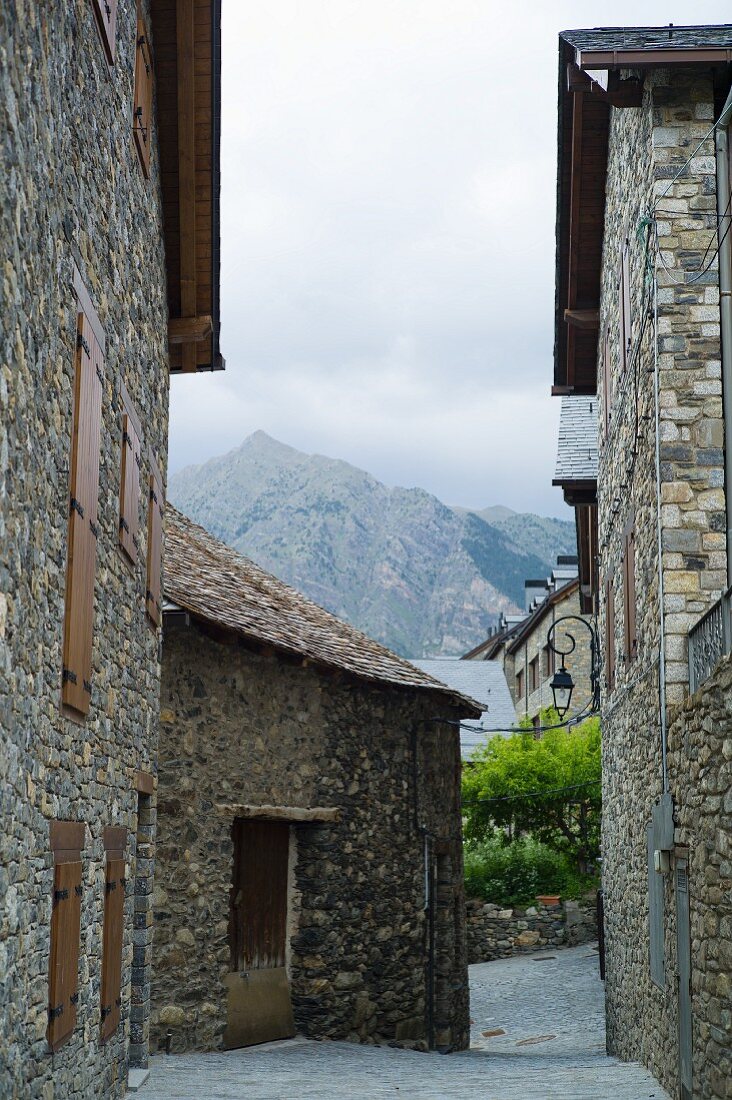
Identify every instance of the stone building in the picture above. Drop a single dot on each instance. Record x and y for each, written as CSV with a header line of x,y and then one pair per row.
x,y
309,863
110,265
642,253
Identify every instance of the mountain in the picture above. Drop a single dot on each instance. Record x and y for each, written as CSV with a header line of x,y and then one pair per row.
x,y
419,576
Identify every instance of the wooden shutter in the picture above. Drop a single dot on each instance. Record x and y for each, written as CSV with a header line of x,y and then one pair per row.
x,y
142,114
629,597
129,490
63,968
153,596
82,546
106,16
114,899
610,634
624,305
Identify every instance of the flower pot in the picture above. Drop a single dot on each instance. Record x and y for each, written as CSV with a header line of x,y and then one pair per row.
x,y
548,899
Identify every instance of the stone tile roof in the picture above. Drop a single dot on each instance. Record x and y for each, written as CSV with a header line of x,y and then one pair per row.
x,y
577,451
214,582
535,619
482,680
649,38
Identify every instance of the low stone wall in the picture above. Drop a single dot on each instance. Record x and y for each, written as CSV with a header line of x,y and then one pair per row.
x,y
496,933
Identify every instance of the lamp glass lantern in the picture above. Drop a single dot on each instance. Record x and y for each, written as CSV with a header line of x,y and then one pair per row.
x,y
562,686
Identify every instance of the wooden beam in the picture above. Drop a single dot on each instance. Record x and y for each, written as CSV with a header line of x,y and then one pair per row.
x,y
185,38
630,59
611,89
588,319
185,330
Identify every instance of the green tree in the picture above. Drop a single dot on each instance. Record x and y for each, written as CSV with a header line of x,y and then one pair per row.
x,y
519,784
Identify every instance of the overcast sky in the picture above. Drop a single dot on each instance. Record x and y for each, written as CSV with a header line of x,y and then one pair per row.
x,y
388,171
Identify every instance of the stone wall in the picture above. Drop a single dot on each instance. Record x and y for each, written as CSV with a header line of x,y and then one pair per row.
x,y
71,191
239,728
700,774
495,932
647,147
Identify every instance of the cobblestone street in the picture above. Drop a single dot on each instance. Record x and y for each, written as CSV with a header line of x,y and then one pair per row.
x,y
549,1008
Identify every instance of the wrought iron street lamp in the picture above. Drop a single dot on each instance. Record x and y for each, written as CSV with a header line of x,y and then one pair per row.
x,y
561,683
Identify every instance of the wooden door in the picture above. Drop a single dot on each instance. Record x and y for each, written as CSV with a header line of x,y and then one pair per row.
x,y
259,1007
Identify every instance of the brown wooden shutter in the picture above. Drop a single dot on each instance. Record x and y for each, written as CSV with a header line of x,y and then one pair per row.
x,y
105,12
630,634
129,490
82,546
142,113
153,597
610,634
624,305
63,968
114,899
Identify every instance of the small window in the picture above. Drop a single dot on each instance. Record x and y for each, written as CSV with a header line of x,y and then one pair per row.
x,y
82,530
519,685
153,596
629,595
142,111
105,12
115,840
129,487
534,673
548,661
67,840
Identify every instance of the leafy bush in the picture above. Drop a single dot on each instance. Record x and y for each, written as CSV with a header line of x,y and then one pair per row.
x,y
514,873
547,787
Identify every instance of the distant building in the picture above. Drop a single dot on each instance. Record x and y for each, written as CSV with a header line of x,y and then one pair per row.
x,y
519,643
310,870
481,680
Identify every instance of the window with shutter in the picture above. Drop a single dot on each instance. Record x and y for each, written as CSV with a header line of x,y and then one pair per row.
x,y
142,111
624,305
610,634
629,597
129,489
115,839
82,542
153,600
106,16
63,965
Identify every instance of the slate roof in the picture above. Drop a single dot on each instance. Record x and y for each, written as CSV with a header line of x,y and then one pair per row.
x,y
532,621
649,38
577,451
214,582
484,681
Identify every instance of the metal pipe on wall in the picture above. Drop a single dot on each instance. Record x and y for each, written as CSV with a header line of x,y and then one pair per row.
x,y
721,146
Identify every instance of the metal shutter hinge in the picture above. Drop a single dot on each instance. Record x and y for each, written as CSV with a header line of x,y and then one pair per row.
x,y
60,895
54,1013
74,998
68,675
94,529
100,376
81,343
77,507
86,684
124,525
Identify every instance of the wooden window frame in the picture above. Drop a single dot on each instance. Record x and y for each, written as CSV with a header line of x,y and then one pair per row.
x,y
630,632
130,479
83,532
115,842
142,108
534,673
155,525
519,684
610,633
105,17
66,842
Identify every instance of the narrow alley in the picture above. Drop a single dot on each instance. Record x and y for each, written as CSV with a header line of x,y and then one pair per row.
x,y
547,1008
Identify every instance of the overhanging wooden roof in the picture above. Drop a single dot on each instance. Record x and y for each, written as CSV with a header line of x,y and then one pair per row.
x,y
187,45
593,77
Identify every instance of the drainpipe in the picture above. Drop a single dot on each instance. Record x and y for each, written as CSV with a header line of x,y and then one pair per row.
x,y
721,145
659,535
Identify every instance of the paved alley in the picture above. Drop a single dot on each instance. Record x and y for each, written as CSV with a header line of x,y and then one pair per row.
x,y
548,1006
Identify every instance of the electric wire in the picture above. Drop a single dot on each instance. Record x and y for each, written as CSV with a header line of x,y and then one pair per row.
x,y
532,794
